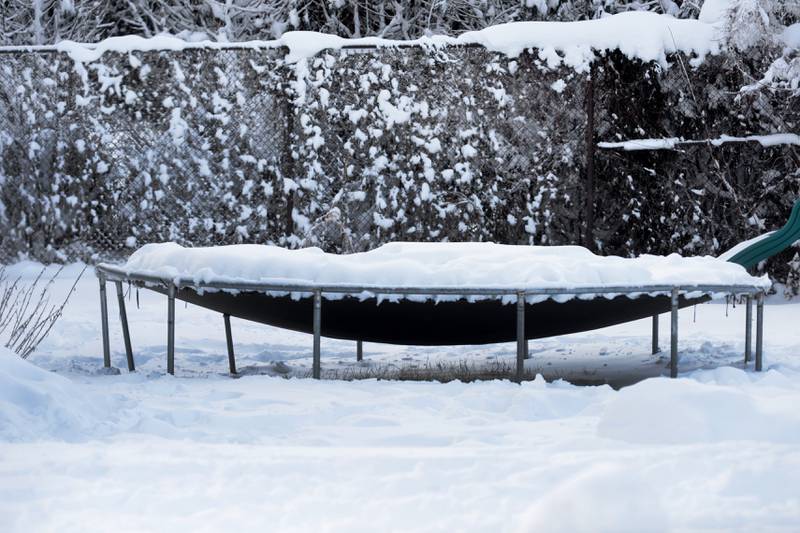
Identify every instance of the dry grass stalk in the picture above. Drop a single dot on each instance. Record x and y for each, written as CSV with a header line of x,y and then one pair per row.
x,y
26,314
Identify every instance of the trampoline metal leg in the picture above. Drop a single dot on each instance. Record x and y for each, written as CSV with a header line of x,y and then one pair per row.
x,y
359,351
229,341
126,334
759,331
520,336
171,329
104,322
673,341
316,368
656,349
748,328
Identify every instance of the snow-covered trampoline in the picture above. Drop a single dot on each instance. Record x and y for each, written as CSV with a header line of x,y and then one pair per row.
x,y
441,293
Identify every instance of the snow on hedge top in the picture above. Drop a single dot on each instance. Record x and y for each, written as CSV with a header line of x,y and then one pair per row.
x,y
640,35
434,265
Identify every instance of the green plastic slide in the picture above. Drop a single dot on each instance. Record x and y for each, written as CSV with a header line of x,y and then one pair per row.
x,y
770,244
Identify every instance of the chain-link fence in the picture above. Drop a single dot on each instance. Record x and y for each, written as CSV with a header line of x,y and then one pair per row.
x,y
456,144
138,148
355,148
351,148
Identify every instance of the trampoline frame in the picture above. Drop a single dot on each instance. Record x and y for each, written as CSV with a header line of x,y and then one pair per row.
x,y
109,273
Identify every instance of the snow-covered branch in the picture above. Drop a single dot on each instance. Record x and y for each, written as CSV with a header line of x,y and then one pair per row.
x,y
671,143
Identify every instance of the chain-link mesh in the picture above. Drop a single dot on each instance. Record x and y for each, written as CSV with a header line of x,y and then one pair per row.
x,y
456,144
142,147
207,147
352,148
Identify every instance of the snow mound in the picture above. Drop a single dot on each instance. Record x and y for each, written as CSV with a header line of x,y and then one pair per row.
x,y
729,405
37,404
791,35
637,34
433,265
714,11
592,501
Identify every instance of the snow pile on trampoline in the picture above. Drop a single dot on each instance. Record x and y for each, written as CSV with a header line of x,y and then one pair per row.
x,y
439,265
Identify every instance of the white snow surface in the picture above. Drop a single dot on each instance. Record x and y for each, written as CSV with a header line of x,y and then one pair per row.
x,y
638,34
35,403
791,35
717,449
434,265
714,11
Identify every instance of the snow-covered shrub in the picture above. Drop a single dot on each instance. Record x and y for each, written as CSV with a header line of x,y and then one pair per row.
x,y
38,171
440,145
137,148
698,199
793,277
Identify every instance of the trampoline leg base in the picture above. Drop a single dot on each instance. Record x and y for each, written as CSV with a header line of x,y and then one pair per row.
x,y
759,332
229,341
104,322
655,348
748,329
673,341
171,330
126,334
316,370
521,341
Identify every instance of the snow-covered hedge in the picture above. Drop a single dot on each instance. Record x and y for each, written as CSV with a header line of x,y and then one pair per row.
x,y
140,147
459,144
348,149
698,198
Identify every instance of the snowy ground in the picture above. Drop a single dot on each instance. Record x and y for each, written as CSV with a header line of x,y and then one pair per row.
x,y
717,449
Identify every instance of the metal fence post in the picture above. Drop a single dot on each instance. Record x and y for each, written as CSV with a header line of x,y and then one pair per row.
x,y
229,341
359,351
588,238
759,331
104,322
520,335
171,329
673,341
317,365
126,334
656,349
748,328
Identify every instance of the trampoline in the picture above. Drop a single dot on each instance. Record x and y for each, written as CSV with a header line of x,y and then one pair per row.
x,y
438,314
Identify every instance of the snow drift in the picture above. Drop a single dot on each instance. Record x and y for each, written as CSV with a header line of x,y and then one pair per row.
x,y
37,404
730,405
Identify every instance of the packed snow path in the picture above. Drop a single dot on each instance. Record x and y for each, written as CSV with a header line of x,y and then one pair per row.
x,y
717,449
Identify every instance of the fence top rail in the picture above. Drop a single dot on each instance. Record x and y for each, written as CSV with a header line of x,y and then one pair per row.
x,y
572,38
113,273
244,45
74,49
